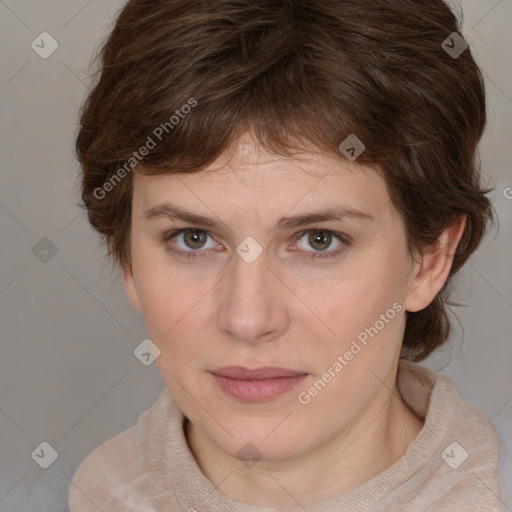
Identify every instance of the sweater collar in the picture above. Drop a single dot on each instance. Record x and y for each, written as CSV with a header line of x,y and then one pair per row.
x,y
175,469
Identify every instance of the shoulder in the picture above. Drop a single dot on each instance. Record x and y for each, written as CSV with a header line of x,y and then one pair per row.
x,y
105,477
457,442
117,474
473,493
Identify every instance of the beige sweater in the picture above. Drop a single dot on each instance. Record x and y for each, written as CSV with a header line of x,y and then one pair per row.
x,y
450,466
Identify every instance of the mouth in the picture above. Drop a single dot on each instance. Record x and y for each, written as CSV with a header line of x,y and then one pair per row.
x,y
259,385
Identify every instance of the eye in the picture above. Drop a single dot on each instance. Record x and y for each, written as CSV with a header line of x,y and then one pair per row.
x,y
320,240
192,239
194,243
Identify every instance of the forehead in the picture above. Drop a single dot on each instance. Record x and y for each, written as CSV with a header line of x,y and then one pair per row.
x,y
249,178
248,155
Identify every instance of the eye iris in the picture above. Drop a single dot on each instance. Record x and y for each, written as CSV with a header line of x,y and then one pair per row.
x,y
195,236
319,237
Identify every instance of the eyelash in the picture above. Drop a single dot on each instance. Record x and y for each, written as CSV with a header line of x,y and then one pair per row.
x,y
315,256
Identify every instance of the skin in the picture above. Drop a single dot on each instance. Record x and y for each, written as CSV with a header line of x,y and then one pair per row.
x,y
284,310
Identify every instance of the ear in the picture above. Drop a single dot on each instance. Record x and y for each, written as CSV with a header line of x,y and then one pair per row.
x,y
131,289
431,272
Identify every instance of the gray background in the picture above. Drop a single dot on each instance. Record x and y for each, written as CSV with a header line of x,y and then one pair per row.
x,y
68,375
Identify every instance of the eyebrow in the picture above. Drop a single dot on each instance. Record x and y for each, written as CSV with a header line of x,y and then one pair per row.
x,y
340,212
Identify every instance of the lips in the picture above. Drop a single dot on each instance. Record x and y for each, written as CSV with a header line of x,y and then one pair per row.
x,y
258,385
268,372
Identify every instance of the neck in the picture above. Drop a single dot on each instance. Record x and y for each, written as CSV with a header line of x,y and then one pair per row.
x,y
371,444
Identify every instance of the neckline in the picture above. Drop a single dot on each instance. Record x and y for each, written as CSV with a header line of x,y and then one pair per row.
x,y
182,475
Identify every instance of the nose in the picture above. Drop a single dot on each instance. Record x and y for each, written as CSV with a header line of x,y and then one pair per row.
x,y
252,302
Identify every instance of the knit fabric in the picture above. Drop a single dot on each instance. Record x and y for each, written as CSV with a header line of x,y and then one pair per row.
x,y
452,465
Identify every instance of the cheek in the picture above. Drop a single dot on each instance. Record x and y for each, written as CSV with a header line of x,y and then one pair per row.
x,y
367,320
175,306
356,297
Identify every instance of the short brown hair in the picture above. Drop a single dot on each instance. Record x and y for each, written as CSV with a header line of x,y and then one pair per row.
x,y
297,73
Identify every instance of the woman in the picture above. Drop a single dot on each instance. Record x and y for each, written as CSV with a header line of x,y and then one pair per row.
x,y
289,188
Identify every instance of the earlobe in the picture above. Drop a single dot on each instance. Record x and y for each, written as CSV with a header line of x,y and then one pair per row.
x,y
431,272
131,290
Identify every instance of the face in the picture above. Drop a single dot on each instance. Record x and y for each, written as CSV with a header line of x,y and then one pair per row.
x,y
324,300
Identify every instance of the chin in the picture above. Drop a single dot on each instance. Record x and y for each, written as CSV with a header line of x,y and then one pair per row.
x,y
256,439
